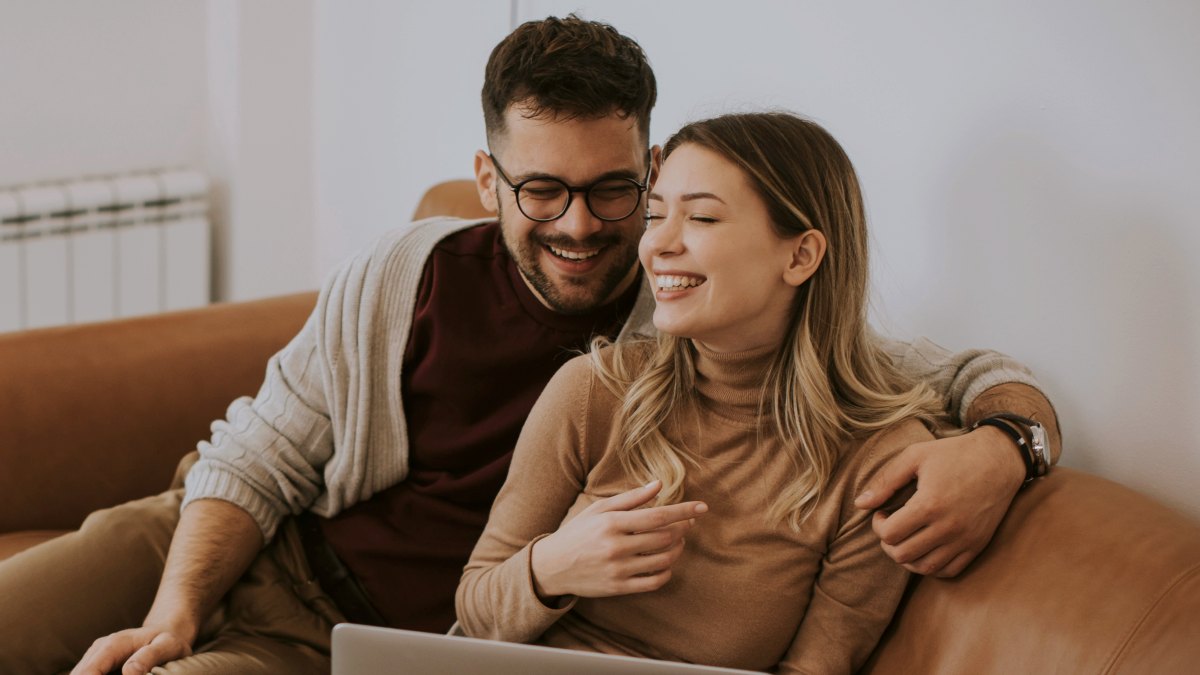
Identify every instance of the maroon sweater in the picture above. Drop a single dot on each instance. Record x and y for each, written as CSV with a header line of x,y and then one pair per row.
x,y
481,350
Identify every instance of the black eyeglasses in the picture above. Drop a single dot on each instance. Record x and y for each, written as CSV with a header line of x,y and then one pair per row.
x,y
546,198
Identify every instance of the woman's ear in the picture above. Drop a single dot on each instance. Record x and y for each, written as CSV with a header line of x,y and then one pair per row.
x,y
485,180
807,252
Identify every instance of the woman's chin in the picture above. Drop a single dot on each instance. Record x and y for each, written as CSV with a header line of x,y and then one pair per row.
x,y
669,325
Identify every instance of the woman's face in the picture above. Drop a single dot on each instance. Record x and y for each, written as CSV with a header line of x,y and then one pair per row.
x,y
721,274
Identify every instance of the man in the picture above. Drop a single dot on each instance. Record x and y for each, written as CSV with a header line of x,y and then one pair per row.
x,y
388,423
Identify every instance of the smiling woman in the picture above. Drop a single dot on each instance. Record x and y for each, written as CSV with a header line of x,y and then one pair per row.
x,y
723,275
749,425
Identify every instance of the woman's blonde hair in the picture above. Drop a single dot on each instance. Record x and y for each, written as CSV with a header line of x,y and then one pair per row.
x,y
829,381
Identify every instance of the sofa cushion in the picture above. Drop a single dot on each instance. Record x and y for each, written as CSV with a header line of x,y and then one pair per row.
x,y
1084,576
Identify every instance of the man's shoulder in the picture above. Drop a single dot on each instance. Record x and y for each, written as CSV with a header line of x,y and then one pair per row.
x,y
422,236
368,281
482,239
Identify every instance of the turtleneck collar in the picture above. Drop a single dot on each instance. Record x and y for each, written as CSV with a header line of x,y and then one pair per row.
x,y
730,383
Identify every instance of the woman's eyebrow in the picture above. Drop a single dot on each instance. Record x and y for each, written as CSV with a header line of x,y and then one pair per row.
x,y
700,195
687,197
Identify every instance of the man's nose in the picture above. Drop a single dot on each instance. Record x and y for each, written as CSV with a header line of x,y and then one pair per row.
x,y
578,222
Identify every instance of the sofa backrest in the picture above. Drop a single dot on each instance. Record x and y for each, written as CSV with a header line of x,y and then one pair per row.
x,y
94,415
451,198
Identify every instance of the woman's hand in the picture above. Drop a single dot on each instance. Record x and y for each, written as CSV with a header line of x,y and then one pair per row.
x,y
614,548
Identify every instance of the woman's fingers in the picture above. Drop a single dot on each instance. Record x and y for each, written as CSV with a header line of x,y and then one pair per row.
x,y
646,582
656,517
628,500
613,547
654,541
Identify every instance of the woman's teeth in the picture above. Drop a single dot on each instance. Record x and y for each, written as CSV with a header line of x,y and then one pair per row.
x,y
574,255
673,283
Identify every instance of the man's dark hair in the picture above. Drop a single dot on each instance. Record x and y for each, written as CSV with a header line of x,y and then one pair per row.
x,y
569,68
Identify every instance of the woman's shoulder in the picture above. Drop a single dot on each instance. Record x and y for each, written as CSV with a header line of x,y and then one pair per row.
x,y
896,437
627,355
868,454
598,378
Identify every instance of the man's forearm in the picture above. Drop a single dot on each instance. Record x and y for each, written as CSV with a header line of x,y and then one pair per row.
x,y
213,546
1023,400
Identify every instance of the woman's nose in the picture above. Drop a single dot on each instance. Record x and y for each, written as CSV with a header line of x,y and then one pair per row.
x,y
663,238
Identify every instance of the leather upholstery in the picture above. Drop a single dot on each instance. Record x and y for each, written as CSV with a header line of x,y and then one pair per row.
x,y
1084,576
98,414
451,198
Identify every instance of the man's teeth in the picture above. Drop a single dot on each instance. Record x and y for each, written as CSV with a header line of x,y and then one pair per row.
x,y
574,255
666,282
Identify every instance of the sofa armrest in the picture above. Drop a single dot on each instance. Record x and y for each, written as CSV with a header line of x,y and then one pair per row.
x,y
1083,576
94,415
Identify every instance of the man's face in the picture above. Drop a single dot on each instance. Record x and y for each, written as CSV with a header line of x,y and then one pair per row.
x,y
577,262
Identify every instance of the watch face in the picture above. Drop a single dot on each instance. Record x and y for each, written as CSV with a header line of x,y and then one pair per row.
x,y
1041,448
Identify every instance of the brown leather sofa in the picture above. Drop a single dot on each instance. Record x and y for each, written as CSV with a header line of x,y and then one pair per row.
x,y
1084,576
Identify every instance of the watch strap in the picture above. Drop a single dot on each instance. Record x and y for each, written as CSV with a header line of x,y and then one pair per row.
x,y
1039,444
1022,444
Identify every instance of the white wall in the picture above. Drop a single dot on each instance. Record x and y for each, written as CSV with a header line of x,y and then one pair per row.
x,y
99,87
1027,167
222,85
1030,171
259,145
397,109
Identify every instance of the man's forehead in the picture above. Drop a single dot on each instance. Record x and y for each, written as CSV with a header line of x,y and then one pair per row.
x,y
573,147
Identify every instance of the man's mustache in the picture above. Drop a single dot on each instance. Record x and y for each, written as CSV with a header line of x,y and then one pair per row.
x,y
564,241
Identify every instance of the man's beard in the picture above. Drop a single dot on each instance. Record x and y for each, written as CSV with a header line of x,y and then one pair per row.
x,y
590,291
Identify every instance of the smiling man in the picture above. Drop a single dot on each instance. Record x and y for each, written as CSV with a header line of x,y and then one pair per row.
x,y
574,253
356,483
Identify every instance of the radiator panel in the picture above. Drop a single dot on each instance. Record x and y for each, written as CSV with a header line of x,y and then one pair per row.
x,y
104,247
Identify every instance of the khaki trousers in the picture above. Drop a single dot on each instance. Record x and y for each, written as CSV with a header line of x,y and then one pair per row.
x,y
57,598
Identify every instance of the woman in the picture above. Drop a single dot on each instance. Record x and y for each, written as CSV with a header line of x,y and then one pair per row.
x,y
750,423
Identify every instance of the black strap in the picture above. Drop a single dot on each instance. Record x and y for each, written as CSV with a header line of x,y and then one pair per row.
x,y
1041,460
334,577
1018,438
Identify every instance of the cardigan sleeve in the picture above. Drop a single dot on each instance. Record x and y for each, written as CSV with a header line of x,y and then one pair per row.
x,y
496,597
961,378
266,455
327,428
858,587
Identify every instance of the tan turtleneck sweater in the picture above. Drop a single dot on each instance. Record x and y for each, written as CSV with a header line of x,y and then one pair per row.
x,y
746,593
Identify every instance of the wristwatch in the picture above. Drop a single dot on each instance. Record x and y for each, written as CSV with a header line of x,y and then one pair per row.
x,y
1030,437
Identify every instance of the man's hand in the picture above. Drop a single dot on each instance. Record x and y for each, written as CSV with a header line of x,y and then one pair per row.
x,y
212,546
614,548
139,649
964,487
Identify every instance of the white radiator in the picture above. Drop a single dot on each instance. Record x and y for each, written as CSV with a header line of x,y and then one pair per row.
x,y
103,248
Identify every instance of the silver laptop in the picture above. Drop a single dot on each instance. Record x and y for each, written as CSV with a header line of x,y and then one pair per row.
x,y
367,650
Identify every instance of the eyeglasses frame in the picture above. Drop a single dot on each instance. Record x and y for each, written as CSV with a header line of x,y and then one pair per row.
x,y
572,189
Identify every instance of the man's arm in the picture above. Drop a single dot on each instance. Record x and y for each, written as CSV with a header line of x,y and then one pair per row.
x,y
964,483
213,546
